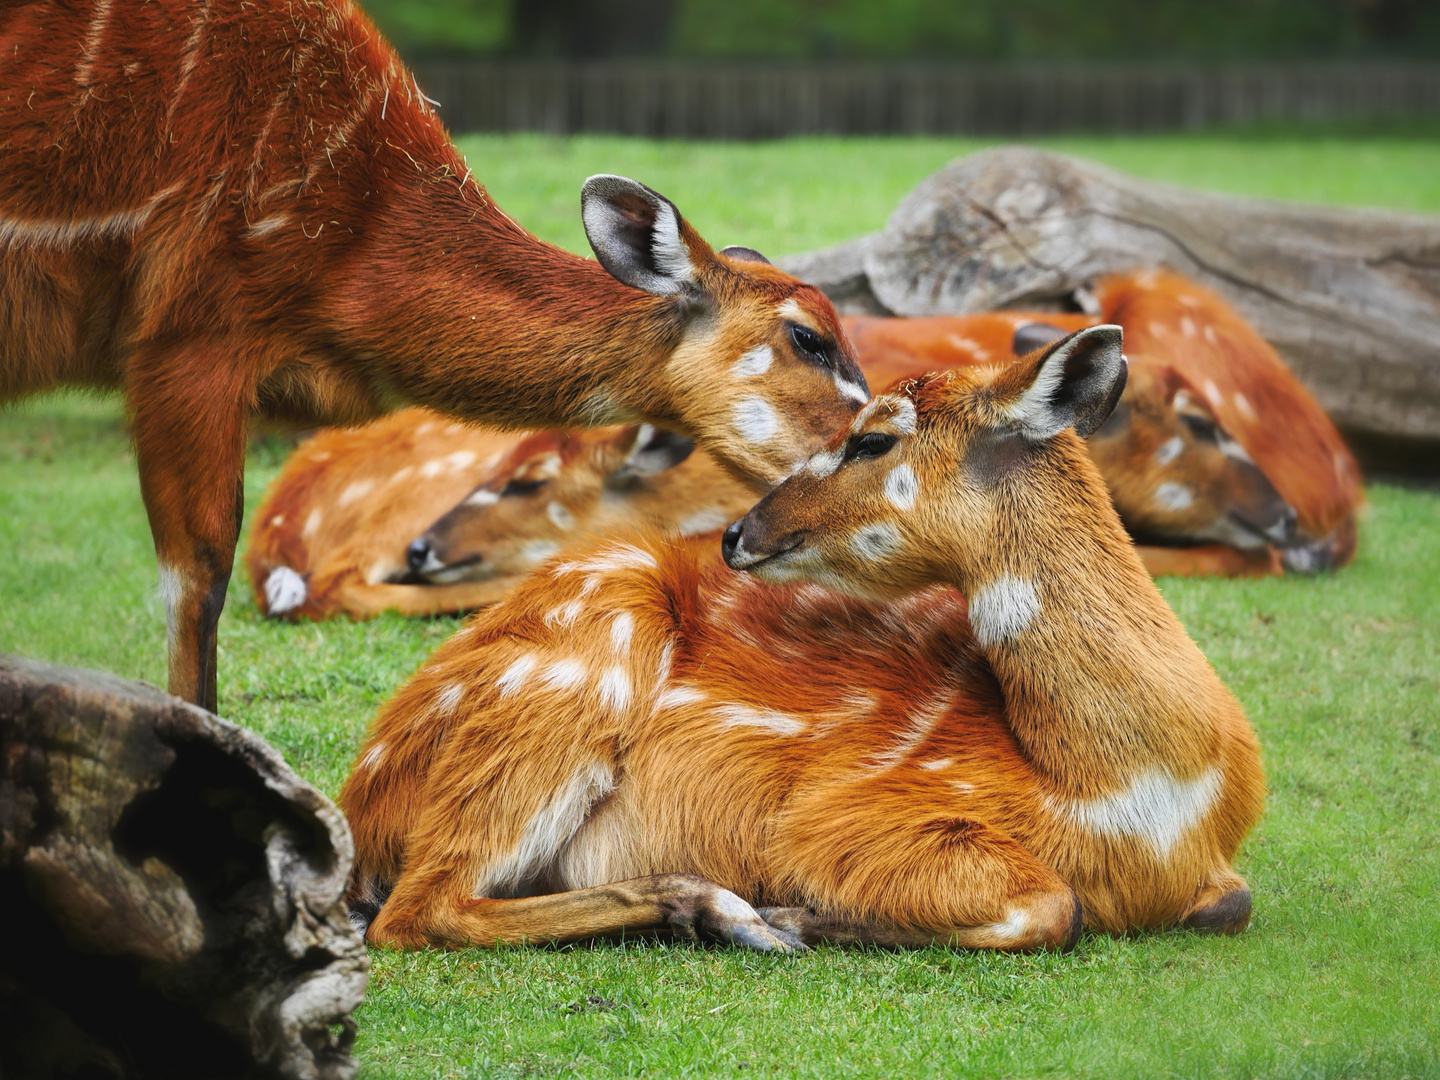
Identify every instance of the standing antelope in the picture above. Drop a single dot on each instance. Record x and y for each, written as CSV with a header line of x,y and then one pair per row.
x,y
229,206
634,741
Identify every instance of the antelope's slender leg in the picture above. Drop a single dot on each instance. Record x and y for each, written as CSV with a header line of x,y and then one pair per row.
x,y
365,601
190,449
682,904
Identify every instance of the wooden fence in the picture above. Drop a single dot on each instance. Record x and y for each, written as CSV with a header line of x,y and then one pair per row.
x,y
758,102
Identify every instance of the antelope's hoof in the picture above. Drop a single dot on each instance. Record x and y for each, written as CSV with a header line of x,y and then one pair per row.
x,y
1226,913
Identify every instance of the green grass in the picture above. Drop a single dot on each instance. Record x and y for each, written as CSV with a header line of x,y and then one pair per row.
x,y
1341,675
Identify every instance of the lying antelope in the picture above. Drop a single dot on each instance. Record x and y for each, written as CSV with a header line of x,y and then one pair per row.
x,y
638,740
228,207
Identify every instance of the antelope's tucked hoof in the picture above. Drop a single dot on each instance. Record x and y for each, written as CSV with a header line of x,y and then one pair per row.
x,y
1226,913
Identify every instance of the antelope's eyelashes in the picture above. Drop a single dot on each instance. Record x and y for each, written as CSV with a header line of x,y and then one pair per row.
x,y
872,444
809,343
1199,426
522,487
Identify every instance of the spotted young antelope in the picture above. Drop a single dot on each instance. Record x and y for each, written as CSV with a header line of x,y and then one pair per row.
x,y
224,207
639,741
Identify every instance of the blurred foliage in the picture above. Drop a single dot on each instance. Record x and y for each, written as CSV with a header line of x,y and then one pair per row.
x,y
938,30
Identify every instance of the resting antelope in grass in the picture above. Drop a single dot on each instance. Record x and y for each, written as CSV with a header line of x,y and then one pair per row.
x,y
229,207
637,740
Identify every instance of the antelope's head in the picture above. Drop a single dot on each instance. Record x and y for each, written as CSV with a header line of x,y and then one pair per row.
x,y
945,478
538,498
1177,476
763,372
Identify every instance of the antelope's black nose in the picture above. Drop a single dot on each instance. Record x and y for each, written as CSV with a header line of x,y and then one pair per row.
x,y
730,541
418,553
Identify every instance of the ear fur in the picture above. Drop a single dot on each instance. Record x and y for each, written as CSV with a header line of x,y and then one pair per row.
x,y
653,451
1076,384
735,251
636,234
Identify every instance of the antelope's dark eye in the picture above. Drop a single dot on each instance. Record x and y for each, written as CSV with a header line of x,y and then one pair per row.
x,y
809,343
522,487
1199,427
873,444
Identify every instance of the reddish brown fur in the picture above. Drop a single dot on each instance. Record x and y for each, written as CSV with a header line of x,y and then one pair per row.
x,y
228,206
634,714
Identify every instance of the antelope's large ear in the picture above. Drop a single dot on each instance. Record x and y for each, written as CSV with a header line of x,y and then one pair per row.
x,y
744,254
1076,383
636,234
653,451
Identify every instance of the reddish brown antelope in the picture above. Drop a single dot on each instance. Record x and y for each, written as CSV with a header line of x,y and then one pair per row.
x,y
636,741
230,207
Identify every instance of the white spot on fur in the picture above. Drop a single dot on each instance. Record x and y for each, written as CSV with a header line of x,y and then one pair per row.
x,y
919,724
172,589
744,716
703,521
1158,329
401,474
1153,807
618,557
755,362
1173,496
483,497
433,468
449,698
1187,326
560,515
1169,450
902,415
615,688
277,521
622,629
1212,394
663,668
875,541
1014,927
265,226
354,492
565,674
678,696
515,675
312,522
938,764
565,614
547,832
901,486
1243,406
284,590
373,756
93,37
755,421
1210,335
1003,609
461,459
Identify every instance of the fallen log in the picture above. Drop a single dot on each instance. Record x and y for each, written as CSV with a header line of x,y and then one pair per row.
x,y
1350,298
172,892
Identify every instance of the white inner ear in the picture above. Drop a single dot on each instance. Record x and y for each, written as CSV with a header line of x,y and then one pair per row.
x,y
671,256
1034,414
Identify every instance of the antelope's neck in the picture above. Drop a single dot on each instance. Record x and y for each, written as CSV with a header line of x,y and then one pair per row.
x,y
468,313
1103,686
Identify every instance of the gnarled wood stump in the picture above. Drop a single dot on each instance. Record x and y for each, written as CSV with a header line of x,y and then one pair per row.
x,y
1351,298
172,892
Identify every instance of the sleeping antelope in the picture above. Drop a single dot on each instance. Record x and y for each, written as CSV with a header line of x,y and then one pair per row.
x,y
636,741
229,207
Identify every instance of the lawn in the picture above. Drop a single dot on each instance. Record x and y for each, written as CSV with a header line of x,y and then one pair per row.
x,y
1337,975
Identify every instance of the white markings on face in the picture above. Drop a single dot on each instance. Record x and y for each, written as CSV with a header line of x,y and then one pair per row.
x,y
1230,448
1174,497
755,421
483,497
1154,807
937,765
863,416
777,723
622,629
1169,450
703,521
791,309
354,492
615,688
449,698
564,674
1001,610
515,675
284,590
373,756
825,463
1243,406
901,486
854,391
678,696
902,415
560,515
312,522
547,833
755,362
876,541
461,459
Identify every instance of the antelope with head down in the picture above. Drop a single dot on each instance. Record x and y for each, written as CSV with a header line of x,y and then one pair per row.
x,y
223,207
641,741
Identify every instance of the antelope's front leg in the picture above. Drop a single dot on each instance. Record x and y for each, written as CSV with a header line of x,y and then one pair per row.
x,y
190,448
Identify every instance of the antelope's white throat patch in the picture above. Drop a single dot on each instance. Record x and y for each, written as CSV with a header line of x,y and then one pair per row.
x,y
1003,609
1153,807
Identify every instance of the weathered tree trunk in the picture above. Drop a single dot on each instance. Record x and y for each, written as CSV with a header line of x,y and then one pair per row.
x,y
172,892
1351,298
